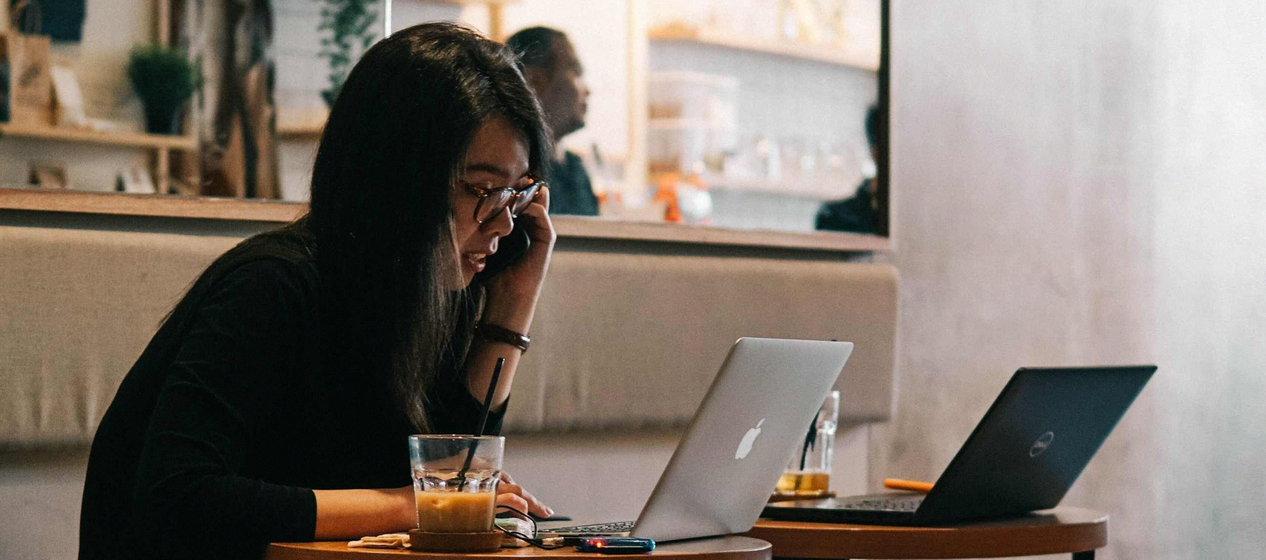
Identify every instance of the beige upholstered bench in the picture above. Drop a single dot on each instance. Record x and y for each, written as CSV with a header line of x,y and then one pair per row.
x,y
627,338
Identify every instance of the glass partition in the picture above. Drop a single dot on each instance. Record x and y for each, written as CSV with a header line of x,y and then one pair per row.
x,y
736,114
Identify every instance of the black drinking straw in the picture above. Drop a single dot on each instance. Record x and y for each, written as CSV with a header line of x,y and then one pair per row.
x,y
810,440
492,388
483,421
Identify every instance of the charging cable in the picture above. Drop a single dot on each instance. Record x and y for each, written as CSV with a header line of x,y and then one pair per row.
x,y
551,543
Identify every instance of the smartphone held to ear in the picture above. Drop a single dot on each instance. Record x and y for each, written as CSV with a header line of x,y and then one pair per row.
x,y
510,249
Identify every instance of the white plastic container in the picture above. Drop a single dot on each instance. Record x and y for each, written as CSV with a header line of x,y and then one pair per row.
x,y
695,96
688,146
677,145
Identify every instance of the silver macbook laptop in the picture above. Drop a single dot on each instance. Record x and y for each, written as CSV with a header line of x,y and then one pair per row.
x,y
729,460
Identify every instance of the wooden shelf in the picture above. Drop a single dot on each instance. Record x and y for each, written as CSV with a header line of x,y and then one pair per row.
x,y
573,227
169,206
599,228
476,2
815,53
302,134
127,139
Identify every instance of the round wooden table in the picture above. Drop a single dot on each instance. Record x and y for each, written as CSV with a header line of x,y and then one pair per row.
x,y
1057,531
721,548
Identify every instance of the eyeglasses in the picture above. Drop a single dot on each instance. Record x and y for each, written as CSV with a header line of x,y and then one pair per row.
x,y
492,200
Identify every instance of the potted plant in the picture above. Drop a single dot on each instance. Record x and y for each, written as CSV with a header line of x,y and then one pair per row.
x,y
350,24
164,79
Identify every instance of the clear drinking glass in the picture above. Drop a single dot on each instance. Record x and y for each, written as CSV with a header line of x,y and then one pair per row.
x,y
455,481
808,473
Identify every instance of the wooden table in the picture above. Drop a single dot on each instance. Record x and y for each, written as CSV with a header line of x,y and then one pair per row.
x,y
721,548
1056,531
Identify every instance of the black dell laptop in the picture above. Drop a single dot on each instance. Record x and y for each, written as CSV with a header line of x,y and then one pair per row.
x,y
1023,456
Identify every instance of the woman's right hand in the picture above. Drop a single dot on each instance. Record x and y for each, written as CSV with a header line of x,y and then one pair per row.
x,y
513,293
512,495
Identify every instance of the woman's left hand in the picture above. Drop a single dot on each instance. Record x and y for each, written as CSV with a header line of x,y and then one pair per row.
x,y
513,495
512,294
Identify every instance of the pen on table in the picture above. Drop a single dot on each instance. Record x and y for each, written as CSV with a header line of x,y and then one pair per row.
x,y
912,485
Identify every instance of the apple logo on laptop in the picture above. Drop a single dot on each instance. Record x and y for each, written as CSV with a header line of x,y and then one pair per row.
x,y
745,446
1042,444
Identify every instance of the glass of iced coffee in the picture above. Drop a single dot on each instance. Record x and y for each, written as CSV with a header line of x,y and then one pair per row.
x,y
455,485
808,473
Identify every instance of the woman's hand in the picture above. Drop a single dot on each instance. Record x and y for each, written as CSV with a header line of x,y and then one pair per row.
x,y
512,294
511,303
513,495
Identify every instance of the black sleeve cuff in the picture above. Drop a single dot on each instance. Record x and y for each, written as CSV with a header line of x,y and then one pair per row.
x,y
456,411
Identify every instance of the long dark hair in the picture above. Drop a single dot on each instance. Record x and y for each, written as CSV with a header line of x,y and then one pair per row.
x,y
381,211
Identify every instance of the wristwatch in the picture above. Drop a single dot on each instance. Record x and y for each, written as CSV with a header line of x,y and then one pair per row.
x,y
496,333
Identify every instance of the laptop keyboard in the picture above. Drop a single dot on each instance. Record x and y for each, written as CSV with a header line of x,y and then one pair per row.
x,y
596,528
886,504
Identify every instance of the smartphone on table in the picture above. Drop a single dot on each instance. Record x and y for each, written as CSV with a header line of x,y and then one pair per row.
x,y
615,545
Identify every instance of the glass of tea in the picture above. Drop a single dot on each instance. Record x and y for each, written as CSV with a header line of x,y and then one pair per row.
x,y
455,481
808,473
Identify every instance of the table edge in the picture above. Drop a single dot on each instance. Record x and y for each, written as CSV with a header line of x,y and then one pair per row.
x,y
835,541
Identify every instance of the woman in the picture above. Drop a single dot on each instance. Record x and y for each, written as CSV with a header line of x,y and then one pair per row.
x,y
274,402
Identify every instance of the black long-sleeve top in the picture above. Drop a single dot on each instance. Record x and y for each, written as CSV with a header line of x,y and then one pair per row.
x,y
233,414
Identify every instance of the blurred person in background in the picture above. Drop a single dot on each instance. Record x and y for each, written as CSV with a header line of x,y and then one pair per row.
x,y
556,76
858,213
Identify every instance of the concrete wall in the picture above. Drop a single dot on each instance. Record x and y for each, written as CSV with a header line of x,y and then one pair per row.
x,y
1081,183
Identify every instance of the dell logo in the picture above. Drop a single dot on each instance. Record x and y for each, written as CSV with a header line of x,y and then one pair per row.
x,y
1042,444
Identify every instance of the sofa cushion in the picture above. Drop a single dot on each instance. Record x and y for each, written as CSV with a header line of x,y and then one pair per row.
x,y
621,338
